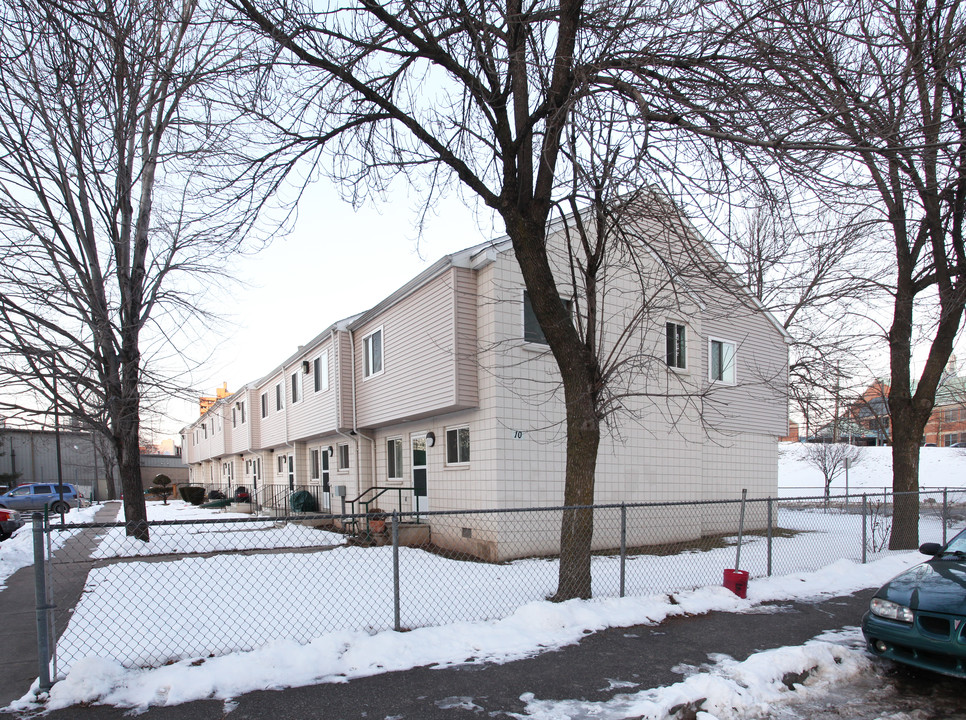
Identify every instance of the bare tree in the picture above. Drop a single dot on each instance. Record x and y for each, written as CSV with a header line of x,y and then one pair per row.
x,y
116,159
818,271
481,95
832,459
875,90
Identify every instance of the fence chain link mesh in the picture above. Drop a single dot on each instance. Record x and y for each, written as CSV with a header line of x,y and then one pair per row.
x,y
201,588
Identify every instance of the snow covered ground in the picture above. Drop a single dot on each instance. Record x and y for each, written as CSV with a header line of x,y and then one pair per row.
x,y
938,468
733,689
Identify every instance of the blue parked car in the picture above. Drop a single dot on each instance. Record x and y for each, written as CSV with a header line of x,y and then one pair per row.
x,y
919,617
27,498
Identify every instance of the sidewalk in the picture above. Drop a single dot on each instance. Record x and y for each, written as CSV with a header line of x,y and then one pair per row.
x,y
18,661
647,656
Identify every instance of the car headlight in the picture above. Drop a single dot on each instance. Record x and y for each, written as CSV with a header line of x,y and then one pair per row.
x,y
891,610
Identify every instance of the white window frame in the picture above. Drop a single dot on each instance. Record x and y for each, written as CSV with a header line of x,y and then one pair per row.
x,y
281,464
733,379
368,357
684,331
458,462
279,397
340,467
241,408
265,404
399,460
320,368
315,464
295,386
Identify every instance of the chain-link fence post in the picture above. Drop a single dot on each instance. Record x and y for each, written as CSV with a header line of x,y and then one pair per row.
x,y
945,511
623,545
397,625
741,528
865,510
769,543
41,603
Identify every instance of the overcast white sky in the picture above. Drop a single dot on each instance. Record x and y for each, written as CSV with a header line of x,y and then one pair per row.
x,y
336,262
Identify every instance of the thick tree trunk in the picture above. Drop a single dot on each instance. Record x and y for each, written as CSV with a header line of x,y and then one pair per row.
x,y
579,375
906,435
132,490
577,524
127,440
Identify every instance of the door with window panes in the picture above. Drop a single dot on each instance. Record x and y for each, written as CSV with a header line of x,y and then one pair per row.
x,y
420,499
326,502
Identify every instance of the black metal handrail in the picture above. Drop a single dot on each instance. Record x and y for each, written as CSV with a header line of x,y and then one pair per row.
x,y
380,491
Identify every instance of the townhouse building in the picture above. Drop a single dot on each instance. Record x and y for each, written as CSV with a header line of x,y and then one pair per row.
x,y
446,394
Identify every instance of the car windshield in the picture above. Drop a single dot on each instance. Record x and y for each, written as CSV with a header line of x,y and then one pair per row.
x,y
957,544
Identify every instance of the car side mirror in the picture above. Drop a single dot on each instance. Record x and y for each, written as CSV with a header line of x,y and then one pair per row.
x,y
930,548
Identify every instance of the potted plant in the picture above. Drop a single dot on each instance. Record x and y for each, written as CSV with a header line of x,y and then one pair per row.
x,y
377,520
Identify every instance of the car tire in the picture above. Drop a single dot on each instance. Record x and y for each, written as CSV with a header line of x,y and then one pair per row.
x,y
59,507
3,535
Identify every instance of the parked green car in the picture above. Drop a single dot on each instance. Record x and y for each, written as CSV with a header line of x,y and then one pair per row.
x,y
919,617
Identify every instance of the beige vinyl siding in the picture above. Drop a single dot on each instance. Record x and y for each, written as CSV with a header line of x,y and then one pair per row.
x,y
272,427
314,414
757,402
237,438
216,431
342,364
467,348
419,358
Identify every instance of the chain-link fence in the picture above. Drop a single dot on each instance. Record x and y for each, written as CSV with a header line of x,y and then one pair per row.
x,y
199,588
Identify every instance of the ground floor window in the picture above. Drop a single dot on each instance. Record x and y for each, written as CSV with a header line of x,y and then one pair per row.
x,y
458,445
343,449
394,458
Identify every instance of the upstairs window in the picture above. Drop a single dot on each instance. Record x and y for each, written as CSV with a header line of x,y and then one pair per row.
x,y
676,346
532,332
722,362
296,388
279,404
264,404
372,353
241,411
320,367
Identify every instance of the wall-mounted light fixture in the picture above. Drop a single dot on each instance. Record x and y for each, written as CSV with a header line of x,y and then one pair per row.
x,y
306,368
430,439
331,451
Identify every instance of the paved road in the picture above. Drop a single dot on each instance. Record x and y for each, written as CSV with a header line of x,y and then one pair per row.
x,y
646,655
18,630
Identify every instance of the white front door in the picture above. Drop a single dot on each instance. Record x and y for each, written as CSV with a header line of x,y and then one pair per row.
x,y
420,499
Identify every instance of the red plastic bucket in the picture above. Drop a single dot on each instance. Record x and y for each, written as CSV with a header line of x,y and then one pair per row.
x,y
737,582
